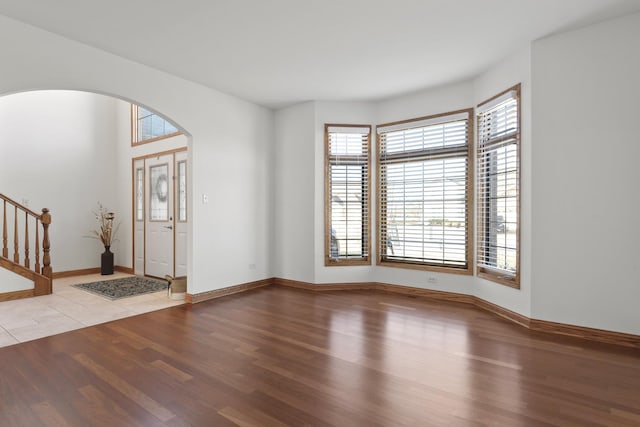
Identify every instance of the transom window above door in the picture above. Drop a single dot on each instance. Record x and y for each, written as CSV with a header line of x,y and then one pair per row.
x,y
147,126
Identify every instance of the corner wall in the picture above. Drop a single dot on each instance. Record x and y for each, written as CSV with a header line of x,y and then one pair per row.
x,y
293,239
585,170
58,150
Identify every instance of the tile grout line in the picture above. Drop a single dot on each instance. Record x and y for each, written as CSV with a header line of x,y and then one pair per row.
x,y
121,311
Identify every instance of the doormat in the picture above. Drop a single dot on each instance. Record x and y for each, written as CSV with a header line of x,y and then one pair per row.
x,y
123,287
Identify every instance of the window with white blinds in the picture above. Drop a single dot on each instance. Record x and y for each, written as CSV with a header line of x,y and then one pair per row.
x,y
499,188
425,197
347,192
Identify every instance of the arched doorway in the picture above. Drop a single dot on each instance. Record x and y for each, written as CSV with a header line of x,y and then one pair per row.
x,y
69,150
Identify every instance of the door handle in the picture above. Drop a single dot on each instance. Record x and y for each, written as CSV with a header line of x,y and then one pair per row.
x,y
170,227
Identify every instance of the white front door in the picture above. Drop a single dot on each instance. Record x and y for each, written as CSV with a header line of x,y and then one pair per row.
x,y
159,233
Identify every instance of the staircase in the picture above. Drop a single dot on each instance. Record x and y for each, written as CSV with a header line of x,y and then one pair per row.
x,y
17,223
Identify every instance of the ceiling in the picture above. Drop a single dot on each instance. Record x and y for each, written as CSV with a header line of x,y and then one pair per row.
x,y
281,52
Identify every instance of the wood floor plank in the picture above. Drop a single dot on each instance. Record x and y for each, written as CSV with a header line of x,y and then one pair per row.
x,y
49,415
124,387
101,409
279,356
171,370
249,417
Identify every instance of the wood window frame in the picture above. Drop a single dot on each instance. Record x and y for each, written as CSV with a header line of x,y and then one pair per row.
x,y
469,235
134,129
497,275
366,234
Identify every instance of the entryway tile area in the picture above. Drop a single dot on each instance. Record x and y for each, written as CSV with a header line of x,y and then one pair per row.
x,y
69,308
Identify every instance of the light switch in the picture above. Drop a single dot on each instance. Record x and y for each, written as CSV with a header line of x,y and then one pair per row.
x,y
205,199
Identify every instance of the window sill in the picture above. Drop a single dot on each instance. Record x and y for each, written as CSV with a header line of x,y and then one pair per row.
x,y
501,278
437,269
158,138
346,262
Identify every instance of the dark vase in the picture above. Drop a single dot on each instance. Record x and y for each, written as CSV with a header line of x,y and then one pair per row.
x,y
106,266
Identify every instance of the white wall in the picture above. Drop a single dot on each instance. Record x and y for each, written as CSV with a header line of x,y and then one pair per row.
x,y
57,150
585,168
424,103
294,193
11,282
229,140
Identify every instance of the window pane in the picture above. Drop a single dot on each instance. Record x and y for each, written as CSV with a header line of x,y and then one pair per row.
x,y
150,125
140,194
426,211
144,128
182,191
347,193
498,186
159,193
347,209
444,135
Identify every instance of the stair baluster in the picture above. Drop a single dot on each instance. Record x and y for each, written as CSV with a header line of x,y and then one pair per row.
x,y
41,274
46,259
36,267
5,249
16,253
26,240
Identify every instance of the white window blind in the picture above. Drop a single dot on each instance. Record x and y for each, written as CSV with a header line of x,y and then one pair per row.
x,y
347,194
499,185
425,191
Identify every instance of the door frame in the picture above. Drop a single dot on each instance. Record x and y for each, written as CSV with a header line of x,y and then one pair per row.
x,y
144,204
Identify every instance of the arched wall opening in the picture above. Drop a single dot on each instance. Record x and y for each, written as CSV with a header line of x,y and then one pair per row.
x,y
68,151
231,146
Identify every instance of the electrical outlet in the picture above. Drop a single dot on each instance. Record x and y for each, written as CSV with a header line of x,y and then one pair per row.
x,y
205,199
432,280
252,266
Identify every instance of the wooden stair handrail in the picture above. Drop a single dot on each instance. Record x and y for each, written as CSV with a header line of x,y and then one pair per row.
x,y
43,220
21,207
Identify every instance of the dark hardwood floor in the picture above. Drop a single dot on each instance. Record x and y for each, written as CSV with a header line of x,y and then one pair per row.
x,y
280,356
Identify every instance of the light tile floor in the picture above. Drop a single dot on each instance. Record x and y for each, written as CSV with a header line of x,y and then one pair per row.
x,y
69,308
